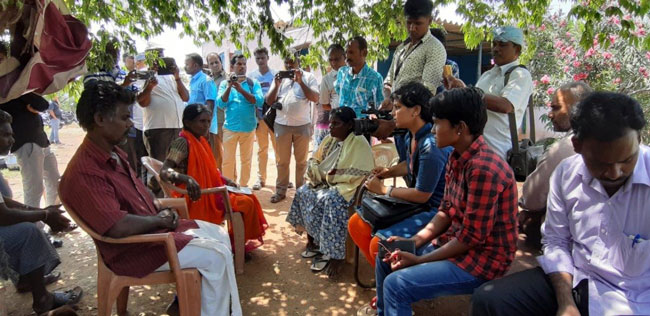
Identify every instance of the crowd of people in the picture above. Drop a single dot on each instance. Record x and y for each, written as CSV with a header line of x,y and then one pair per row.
x,y
583,205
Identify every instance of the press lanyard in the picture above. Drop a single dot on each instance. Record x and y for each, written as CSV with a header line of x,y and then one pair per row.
x,y
402,58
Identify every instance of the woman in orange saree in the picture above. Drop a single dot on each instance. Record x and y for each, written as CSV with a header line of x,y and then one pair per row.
x,y
191,165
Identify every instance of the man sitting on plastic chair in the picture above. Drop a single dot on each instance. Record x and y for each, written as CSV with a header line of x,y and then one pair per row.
x,y
101,186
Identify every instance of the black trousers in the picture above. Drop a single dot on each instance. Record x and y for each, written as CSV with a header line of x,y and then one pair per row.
x,y
528,292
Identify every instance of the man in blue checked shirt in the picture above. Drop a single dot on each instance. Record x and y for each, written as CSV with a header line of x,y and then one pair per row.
x,y
201,89
357,84
241,120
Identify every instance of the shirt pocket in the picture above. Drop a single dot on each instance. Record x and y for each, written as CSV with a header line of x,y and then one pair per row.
x,y
632,260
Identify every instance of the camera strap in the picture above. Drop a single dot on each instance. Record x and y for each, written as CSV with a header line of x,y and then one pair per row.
x,y
403,56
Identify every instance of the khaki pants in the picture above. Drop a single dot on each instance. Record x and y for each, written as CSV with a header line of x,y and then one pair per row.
x,y
217,149
230,141
288,137
263,133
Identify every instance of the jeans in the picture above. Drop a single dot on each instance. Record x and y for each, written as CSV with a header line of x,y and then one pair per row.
x,y
54,133
40,171
396,290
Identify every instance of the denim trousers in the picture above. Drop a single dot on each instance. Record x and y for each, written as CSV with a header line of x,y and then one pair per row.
x,y
397,290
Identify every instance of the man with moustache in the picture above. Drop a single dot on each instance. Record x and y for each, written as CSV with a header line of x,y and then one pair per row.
x,y
535,189
357,84
500,97
218,115
596,235
239,129
328,97
104,192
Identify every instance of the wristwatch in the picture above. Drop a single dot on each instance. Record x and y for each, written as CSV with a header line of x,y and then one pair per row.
x,y
390,190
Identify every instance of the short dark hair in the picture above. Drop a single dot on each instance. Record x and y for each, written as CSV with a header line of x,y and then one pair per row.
x,y
5,117
336,47
414,93
360,41
193,110
461,104
440,34
418,8
125,56
196,58
579,89
234,58
101,97
261,50
605,116
344,113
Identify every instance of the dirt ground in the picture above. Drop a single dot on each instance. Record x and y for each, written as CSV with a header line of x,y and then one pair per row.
x,y
277,281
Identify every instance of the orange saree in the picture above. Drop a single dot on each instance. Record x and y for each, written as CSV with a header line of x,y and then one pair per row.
x,y
202,166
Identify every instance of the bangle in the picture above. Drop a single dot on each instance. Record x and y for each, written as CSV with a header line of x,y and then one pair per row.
x,y
390,190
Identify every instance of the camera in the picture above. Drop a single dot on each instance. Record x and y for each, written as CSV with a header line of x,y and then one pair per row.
x,y
144,75
277,106
234,77
367,126
288,74
169,68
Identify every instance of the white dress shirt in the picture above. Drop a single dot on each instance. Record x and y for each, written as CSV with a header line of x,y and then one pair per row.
x,y
296,108
166,107
518,90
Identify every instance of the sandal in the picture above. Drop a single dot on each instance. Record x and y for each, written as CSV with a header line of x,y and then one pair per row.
x,y
277,198
320,263
370,309
69,297
310,253
47,279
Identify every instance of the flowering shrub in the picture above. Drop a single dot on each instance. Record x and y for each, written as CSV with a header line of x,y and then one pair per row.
x,y
610,64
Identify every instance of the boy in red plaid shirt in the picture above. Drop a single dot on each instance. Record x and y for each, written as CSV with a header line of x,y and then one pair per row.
x,y
474,233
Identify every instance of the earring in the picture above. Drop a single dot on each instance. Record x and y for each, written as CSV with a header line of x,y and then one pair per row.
x,y
458,133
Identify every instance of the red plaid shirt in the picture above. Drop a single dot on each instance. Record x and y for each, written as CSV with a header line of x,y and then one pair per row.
x,y
481,200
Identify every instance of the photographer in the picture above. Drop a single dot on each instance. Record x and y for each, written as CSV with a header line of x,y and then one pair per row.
x,y
241,121
294,89
162,99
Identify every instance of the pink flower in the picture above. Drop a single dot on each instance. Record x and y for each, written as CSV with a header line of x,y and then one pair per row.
x,y
588,68
568,34
614,20
617,66
558,44
641,32
617,81
580,76
647,55
535,82
563,23
550,91
566,68
607,55
595,42
590,52
644,71
545,79
627,17
576,64
542,27
612,39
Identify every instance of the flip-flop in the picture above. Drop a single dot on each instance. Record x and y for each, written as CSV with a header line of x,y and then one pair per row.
x,y
47,279
320,263
310,253
69,297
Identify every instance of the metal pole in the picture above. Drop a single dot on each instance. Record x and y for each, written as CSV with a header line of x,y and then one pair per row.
x,y
480,60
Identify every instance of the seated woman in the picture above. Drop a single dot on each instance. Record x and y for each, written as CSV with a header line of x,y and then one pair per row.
x,y
190,164
320,207
474,233
423,168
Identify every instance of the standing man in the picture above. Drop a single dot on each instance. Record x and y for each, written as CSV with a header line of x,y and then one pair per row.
x,y
201,89
500,97
328,97
137,116
596,234
240,106
356,83
293,122
421,57
38,166
218,116
535,189
162,99
54,110
264,75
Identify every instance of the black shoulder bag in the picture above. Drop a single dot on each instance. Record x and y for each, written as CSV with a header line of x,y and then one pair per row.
x,y
381,211
524,154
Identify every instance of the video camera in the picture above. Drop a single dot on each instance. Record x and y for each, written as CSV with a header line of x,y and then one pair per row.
x,y
144,75
367,126
234,77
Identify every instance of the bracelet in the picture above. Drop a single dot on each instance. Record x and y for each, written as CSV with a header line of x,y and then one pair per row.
x,y
390,190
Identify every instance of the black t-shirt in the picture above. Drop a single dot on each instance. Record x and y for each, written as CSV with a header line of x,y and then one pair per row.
x,y
27,126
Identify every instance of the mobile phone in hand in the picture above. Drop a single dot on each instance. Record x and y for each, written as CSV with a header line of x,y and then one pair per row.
x,y
388,247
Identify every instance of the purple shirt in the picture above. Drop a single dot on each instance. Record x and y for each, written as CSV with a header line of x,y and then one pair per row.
x,y
587,234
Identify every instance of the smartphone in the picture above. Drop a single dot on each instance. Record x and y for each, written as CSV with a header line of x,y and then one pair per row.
x,y
388,247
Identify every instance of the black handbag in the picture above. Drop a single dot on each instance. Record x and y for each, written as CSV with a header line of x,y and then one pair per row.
x,y
525,154
382,211
268,115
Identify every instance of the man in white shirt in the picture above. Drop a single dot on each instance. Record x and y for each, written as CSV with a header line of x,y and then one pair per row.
x,y
502,98
293,122
328,98
162,99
